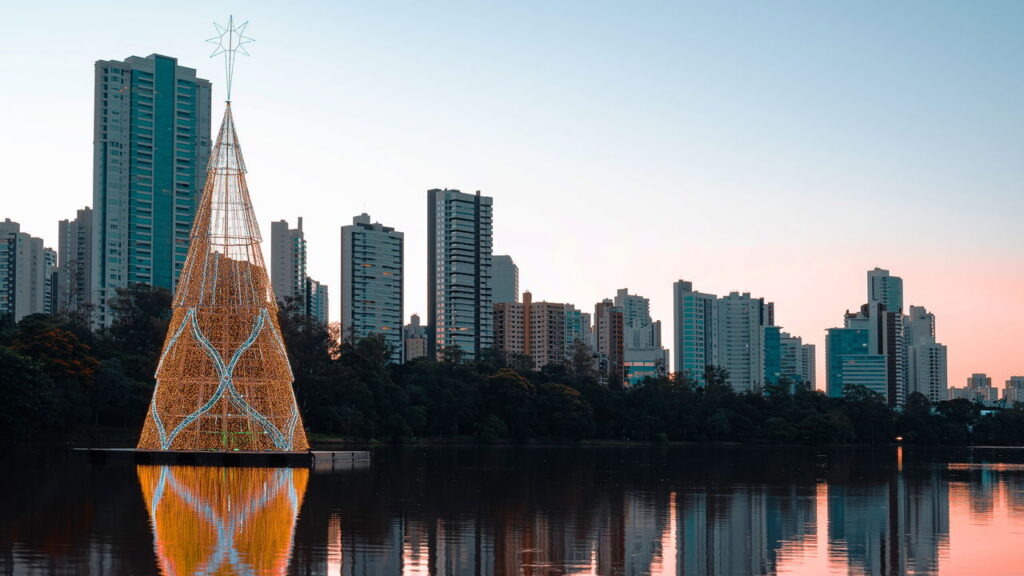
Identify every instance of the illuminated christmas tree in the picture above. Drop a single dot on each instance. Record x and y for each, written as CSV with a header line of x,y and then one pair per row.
x,y
223,381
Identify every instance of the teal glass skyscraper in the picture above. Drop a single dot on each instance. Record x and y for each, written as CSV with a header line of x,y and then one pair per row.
x,y
460,307
849,361
151,143
772,354
372,261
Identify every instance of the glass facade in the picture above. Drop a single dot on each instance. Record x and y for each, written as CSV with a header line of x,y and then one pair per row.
x,y
695,329
459,300
372,259
772,354
840,345
151,146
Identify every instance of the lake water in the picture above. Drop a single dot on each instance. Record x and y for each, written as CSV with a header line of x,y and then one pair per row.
x,y
533,511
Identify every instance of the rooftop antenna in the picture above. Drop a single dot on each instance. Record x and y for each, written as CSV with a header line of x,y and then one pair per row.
x,y
230,40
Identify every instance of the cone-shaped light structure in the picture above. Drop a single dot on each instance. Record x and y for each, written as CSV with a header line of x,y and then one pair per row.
x,y
223,382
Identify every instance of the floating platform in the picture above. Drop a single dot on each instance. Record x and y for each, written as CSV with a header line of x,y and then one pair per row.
x,y
324,461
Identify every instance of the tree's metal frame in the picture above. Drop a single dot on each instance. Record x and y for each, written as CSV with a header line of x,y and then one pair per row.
x,y
223,382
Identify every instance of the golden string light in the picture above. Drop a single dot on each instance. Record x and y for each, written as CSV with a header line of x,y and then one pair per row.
x,y
223,382
208,520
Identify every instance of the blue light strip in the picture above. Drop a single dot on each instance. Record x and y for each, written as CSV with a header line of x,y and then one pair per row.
x,y
226,383
226,528
170,344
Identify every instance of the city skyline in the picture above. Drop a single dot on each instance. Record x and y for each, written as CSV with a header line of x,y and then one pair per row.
x,y
884,194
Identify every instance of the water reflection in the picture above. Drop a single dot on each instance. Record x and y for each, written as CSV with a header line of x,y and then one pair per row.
x,y
680,514
537,511
209,520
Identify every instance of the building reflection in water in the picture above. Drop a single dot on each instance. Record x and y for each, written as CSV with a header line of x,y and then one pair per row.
x,y
890,523
847,517
592,511
211,520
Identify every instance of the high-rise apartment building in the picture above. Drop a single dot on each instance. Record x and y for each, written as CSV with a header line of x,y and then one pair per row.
x,y
26,273
696,330
771,338
810,366
577,329
919,326
885,289
914,361
1014,390
510,320
927,371
459,300
741,319
979,389
885,338
868,371
636,319
643,355
504,279
372,259
318,303
884,309
608,342
74,262
151,146
288,261
292,285
545,337
50,282
979,380
415,339
796,363
926,359
537,330
847,349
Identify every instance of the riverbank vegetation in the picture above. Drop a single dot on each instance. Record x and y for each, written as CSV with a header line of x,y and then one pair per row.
x,y
57,376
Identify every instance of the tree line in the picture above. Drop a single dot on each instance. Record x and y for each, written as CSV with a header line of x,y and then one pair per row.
x,y
58,376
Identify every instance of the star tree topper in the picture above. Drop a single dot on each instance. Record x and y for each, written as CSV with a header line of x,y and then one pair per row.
x,y
230,40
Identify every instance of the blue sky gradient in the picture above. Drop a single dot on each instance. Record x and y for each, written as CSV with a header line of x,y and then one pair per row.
x,y
779,148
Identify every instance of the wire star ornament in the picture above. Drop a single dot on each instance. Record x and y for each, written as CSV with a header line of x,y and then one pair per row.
x,y
230,40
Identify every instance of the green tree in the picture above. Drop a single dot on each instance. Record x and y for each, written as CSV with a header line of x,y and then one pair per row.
x,y
68,362
718,425
779,431
916,423
140,317
310,346
959,418
582,361
452,354
562,412
113,396
872,419
30,400
136,336
491,429
520,363
508,395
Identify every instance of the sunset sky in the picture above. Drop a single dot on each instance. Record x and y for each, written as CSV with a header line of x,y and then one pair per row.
x,y
779,148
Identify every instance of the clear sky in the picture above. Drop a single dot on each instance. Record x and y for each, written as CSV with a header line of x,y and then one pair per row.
x,y
778,148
